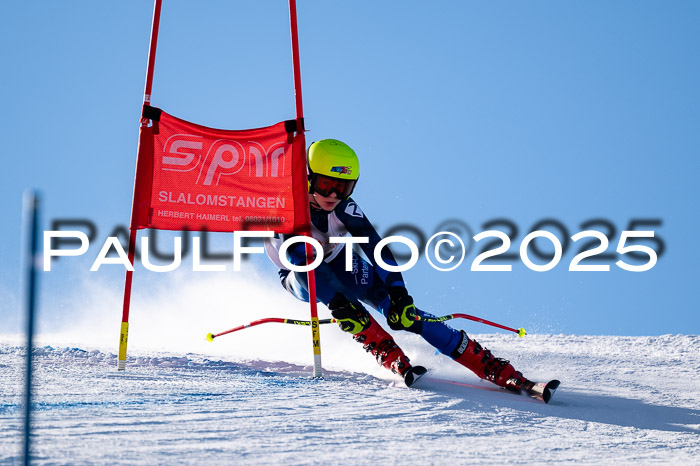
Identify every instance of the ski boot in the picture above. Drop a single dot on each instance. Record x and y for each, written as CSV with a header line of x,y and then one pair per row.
x,y
479,360
354,319
376,341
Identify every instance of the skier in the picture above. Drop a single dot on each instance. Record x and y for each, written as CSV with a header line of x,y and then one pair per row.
x,y
333,171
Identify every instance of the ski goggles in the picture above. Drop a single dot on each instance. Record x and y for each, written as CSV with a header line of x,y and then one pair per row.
x,y
326,185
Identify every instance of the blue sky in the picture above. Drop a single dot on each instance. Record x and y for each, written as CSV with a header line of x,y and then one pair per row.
x,y
473,111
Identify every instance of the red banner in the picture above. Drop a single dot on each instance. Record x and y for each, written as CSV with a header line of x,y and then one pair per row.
x,y
190,177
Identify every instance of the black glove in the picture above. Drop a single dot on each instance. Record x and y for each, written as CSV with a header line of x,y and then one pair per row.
x,y
352,317
402,311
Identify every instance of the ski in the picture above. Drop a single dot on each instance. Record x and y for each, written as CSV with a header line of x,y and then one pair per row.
x,y
543,391
540,391
413,373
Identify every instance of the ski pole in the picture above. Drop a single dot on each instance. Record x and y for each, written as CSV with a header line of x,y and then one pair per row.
x,y
520,331
211,336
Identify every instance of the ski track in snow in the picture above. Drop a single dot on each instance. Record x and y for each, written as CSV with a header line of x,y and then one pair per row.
x,y
623,400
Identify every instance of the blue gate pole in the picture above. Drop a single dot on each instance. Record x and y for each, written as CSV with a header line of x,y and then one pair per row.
x,y
31,212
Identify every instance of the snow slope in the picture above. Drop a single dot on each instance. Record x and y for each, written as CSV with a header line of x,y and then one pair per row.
x,y
623,400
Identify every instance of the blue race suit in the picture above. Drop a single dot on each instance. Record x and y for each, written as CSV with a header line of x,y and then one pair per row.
x,y
365,282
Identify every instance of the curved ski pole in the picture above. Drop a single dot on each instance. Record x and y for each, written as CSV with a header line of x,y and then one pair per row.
x,y
521,331
211,336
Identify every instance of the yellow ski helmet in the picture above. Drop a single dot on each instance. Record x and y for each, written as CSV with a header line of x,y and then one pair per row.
x,y
333,167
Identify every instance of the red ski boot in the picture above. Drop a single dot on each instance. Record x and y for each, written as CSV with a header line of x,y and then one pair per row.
x,y
376,341
479,360
381,345
355,319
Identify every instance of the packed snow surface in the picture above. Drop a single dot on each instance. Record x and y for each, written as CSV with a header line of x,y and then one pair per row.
x,y
623,400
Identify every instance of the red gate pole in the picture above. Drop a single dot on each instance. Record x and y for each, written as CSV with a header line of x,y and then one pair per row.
x,y
315,334
152,53
124,332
